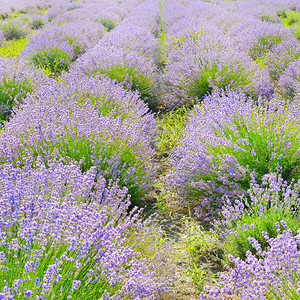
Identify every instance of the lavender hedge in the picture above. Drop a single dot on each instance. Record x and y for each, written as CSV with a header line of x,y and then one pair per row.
x,y
92,121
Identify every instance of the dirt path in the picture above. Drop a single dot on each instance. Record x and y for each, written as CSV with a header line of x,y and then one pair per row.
x,y
176,226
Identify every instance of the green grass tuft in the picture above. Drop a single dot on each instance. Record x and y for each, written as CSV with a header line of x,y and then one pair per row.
x,y
52,60
171,125
13,48
237,243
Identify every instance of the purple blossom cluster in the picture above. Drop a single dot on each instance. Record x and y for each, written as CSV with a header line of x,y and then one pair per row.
x,y
72,38
273,276
201,57
59,207
274,193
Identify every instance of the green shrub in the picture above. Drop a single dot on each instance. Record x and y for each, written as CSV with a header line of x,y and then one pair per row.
x,y
12,91
36,24
237,243
52,60
13,31
108,24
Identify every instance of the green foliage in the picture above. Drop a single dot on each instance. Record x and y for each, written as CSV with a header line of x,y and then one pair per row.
x,y
12,91
253,225
132,80
170,128
263,46
13,31
108,24
179,42
267,18
52,60
197,242
286,287
51,255
214,76
36,24
78,50
13,48
4,16
291,19
264,149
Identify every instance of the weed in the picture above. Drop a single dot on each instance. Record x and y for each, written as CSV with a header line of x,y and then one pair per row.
x,y
171,125
197,242
108,24
13,48
52,60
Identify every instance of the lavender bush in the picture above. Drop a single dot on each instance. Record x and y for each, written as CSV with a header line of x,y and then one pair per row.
x,y
16,82
273,276
270,208
288,81
53,50
135,71
91,121
226,140
201,65
14,30
64,234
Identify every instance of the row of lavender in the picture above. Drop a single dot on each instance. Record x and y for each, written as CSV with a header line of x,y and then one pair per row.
x,y
83,138
237,159
76,153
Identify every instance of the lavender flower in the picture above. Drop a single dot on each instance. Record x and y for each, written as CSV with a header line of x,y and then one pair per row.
x,y
272,276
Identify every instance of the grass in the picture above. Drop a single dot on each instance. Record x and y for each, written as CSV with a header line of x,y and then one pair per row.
x,y
291,19
170,126
132,80
52,60
196,242
13,48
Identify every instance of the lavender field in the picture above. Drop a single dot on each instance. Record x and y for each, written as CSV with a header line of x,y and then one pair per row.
x,y
150,149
